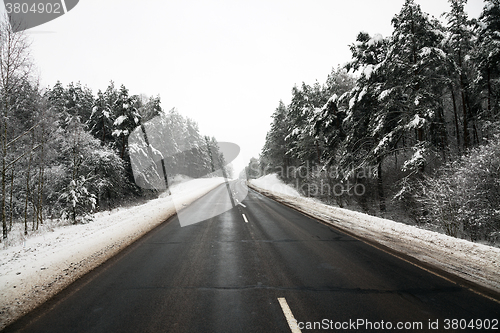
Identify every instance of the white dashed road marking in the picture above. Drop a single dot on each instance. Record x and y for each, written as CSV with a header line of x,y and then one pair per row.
x,y
289,315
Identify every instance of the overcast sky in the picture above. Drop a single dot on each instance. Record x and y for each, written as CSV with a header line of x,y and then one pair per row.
x,y
225,64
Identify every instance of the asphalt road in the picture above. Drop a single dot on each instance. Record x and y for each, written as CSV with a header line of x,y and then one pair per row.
x,y
226,275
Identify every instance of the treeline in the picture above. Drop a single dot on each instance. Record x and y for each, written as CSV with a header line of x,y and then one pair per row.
x,y
421,108
170,144
65,151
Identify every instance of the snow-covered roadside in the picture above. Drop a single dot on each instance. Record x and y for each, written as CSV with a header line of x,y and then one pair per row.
x,y
32,272
473,262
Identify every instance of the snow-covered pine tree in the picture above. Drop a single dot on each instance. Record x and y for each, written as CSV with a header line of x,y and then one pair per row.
x,y
150,109
274,152
365,109
107,173
328,121
77,201
197,159
458,47
368,55
411,93
79,101
76,147
57,100
304,148
217,161
126,119
93,174
176,126
487,58
101,120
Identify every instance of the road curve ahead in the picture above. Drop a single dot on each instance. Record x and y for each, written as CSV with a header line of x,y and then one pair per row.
x,y
245,271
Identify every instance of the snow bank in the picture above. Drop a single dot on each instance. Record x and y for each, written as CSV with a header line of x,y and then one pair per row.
x,y
41,266
272,183
470,261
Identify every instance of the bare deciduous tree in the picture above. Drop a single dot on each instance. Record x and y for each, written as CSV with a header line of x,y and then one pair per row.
x,y
15,68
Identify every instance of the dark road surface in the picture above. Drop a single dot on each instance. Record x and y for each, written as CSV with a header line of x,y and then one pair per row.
x,y
226,275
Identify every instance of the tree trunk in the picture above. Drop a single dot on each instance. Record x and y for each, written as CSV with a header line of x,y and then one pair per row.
x,y
11,210
4,171
34,218
476,134
380,185
318,155
27,196
41,183
466,122
488,78
122,154
443,135
465,110
455,113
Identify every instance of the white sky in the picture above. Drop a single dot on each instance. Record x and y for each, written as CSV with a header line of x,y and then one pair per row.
x,y
226,64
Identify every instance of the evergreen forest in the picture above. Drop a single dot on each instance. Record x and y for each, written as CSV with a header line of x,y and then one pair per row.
x,y
408,129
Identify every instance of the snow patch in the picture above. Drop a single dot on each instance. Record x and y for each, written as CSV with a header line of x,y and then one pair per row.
x,y
416,160
117,133
368,71
352,101
375,40
120,120
333,99
272,183
362,94
384,94
295,132
425,51
416,122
